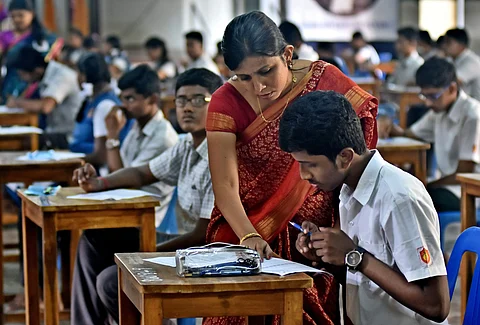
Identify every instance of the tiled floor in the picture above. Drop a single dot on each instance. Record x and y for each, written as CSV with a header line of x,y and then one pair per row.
x,y
12,276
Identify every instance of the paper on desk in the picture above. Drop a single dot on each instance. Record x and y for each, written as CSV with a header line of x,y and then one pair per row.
x,y
119,194
166,261
13,130
50,155
396,141
5,109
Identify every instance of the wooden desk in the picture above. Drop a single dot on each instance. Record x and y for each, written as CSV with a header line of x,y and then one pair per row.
x,y
399,151
170,296
11,117
470,190
407,96
13,170
60,213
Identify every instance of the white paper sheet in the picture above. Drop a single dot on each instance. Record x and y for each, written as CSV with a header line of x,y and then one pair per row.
x,y
5,109
399,141
166,261
119,194
50,156
13,130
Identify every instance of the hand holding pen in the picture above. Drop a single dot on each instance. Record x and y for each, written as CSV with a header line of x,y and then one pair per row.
x,y
303,240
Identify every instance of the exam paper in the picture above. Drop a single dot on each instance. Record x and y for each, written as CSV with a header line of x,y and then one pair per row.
x,y
14,130
50,155
5,109
119,194
166,261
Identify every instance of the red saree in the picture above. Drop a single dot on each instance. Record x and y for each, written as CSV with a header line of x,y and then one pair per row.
x,y
271,189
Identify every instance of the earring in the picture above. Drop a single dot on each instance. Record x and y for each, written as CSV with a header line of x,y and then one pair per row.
x,y
235,78
290,65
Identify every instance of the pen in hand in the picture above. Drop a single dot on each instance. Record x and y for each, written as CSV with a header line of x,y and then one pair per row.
x,y
299,228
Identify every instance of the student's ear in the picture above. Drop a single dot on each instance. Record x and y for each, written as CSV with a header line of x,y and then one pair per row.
x,y
453,88
288,53
345,158
154,99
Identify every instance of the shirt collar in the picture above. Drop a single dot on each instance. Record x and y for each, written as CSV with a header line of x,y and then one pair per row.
x,y
151,125
202,149
364,190
457,111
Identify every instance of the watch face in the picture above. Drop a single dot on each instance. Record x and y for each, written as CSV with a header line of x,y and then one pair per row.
x,y
353,258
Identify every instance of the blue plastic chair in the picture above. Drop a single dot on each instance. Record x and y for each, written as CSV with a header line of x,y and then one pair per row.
x,y
448,217
468,241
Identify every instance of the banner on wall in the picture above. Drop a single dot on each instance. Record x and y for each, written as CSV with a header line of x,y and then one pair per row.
x,y
337,20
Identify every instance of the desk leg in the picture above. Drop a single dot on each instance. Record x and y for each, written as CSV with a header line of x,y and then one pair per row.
x,y
293,308
468,214
1,255
50,280
421,166
147,231
152,313
128,313
30,269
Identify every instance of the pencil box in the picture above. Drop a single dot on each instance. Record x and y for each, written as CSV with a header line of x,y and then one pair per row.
x,y
217,259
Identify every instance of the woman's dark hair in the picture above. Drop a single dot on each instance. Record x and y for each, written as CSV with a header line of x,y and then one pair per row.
x,y
38,31
436,73
143,79
199,77
94,67
322,123
158,43
114,42
251,34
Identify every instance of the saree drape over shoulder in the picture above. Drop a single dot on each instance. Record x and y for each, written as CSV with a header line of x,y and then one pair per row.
x,y
271,190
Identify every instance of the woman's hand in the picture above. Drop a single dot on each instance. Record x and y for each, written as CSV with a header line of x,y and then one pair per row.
x,y
260,245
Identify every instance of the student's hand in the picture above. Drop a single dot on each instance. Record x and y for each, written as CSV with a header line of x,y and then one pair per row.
x,y
11,102
115,121
303,240
331,245
384,127
87,179
260,245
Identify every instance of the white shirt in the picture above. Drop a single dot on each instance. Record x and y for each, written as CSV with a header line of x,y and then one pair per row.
x,y
367,54
456,133
406,69
142,145
306,52
204,62
187,168
391,215
99,114
467,65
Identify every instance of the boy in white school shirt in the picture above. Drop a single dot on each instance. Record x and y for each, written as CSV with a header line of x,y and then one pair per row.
x,y
389,236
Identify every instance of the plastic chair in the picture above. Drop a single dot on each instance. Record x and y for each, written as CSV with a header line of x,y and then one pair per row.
x,y
468,241
385,56
448,217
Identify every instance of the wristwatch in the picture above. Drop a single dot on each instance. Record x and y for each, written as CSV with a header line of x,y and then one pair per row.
x,y
354,258
112,144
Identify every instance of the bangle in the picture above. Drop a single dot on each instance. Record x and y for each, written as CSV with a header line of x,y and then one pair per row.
x,y
250,235
105,184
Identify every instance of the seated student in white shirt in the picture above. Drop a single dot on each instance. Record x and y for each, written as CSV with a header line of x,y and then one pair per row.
x,y
452,124
198,57
292,35
185,165
389,236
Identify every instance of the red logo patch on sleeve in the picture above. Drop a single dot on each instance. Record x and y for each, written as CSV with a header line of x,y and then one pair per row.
x,y
424,255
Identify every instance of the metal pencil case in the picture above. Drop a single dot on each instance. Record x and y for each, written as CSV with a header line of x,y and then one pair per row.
x,y
217,259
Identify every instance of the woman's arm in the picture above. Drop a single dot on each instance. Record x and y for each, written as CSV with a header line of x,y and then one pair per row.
x,y
224,170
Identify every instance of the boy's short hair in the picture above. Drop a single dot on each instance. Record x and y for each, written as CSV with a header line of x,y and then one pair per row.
x,y
409,33
197,36
459,35
357,35
424,36
94,67
201,77
321,123
436,73
114,41
28,59
143,79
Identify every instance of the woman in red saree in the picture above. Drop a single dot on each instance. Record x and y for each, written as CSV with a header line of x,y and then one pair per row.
x,y
257,186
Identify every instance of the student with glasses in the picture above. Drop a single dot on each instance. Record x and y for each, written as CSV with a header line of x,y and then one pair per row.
x,y
452,124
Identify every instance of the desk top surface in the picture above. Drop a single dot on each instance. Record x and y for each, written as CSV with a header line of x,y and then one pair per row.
x,y
401,143
153,278
60,202
473,179
8,159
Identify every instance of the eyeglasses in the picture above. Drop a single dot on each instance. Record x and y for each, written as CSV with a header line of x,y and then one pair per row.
x,y
432,97
197,101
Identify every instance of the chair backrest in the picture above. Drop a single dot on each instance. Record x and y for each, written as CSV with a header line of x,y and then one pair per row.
x,y
468,241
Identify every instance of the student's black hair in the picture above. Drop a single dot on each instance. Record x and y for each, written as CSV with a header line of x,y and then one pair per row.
x,y
440,41
199,77
37,29
290,32
409,33
459,35
195,35
91,42
94,67
357,35
251,34
28,59
436,73
157,43
219,48
114,42
76,32
321,123
143,79
424,36
326,46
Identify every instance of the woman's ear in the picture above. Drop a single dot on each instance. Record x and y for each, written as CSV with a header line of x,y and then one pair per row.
x,y
288,53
